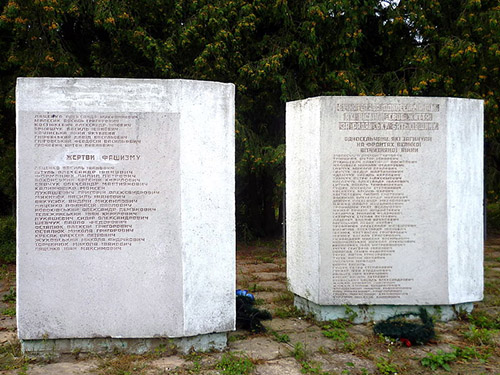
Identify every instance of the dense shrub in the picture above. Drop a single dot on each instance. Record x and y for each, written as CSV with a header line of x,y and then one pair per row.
x,y
7,239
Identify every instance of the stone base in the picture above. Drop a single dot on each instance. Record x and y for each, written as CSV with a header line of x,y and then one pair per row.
x,y
370,313
200,343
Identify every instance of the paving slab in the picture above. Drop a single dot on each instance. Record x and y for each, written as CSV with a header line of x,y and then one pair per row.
x,y
285,366
267,296
270,276
312,341
272,285
290,325
338,362
64,368
262,267
261,348
168,363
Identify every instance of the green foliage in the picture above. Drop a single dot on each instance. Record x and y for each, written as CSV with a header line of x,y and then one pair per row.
x,y
231,364
122,364
350,313
478,336
482,319
470,353
196,359
7,239
386,367
442,359
312,368
11,356
438,360
285,298
10,297
299,352
336,330
288,312
274,51
281,337
10,311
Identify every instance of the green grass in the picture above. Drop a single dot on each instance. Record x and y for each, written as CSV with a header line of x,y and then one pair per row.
x,y
443,359
288,312
10,311
299,352
10,297
11,356
439,360
479,336
231,364
473,353
122,364
336,330
285,298
482,319
281,337
386,367
312,368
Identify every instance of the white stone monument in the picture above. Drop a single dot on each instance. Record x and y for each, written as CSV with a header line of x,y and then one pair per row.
x,y
126,218
384,203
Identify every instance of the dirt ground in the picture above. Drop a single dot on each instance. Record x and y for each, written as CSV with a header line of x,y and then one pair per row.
x,y
294,343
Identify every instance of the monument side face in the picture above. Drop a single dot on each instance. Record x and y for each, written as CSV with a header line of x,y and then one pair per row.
x,y
303,196
465,199
103,250
208,207
386,215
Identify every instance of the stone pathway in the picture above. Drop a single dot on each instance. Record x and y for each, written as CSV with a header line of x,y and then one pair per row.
x,y
293,344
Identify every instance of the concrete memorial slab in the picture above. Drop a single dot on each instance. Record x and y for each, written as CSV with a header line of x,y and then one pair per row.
x,y
126,223
384,205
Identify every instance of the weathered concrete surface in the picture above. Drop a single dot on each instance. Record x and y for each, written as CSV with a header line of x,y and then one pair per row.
x,y
385,201
125,208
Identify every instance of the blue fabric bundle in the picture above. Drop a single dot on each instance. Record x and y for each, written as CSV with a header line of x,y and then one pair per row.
x,y
248,316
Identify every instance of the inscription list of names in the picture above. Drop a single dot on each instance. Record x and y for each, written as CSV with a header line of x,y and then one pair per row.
x,y
370,195
92,197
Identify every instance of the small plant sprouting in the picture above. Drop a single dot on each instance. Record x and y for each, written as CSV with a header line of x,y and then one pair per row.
x,y
11,356
288,312
231,364
350,314
386,367
299,352
76,352
440,359
196,359
236,337
312,368
478,336
336,330
281,337
10,297
284,298
322,350
468,353
10,311
481,319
